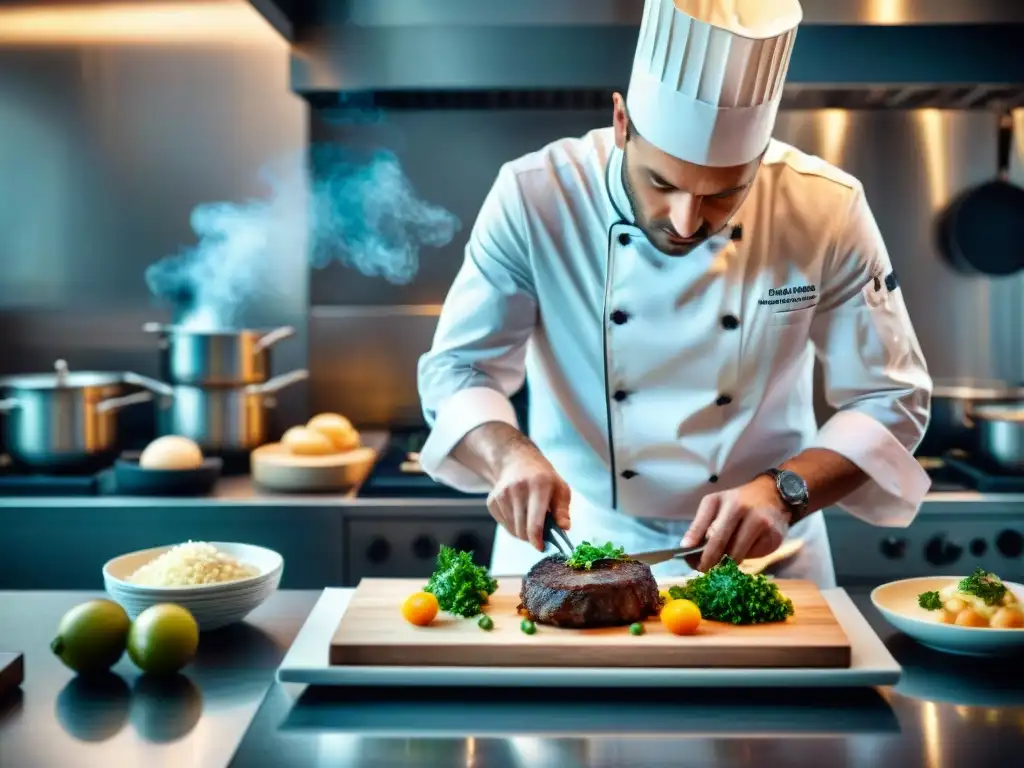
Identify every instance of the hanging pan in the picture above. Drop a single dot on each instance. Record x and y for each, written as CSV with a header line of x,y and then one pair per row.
x,y
982,230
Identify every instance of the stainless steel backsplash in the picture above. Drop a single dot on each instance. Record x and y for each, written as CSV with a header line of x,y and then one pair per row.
x,y
366,335
106,148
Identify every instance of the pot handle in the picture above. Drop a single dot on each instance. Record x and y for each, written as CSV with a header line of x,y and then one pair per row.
x,y
8,405
117,403
157,387
269,388
271,338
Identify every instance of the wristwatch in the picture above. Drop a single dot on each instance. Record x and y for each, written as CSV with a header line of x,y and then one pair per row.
x,y
793,491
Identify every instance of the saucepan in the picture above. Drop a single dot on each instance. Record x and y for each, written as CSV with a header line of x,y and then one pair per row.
x,y
64,421
1000,428
222,419
231,358
951,425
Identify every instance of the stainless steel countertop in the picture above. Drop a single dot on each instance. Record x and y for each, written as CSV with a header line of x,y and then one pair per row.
x,y
194,720
946,711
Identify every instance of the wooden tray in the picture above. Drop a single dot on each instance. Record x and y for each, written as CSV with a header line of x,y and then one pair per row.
x,y
276,468
373,632
307,663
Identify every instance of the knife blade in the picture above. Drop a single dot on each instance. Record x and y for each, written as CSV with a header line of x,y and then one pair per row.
x,y
690,554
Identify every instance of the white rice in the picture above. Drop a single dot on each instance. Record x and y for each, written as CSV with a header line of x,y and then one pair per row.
x,y
194,562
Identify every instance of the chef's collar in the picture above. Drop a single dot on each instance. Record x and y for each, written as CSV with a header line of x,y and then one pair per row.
x,y
620,210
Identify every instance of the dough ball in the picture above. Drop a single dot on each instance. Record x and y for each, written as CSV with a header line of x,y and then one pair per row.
x,y
171,452
337,429
1008,618
303,441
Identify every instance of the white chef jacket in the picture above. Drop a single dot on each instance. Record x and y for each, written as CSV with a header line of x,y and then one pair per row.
x,y
655,380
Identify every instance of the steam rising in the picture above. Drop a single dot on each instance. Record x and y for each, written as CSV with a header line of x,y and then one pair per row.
x,y
358,210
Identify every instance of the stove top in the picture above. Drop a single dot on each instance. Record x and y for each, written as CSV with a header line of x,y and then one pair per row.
x,y
18,482
397,472
958,471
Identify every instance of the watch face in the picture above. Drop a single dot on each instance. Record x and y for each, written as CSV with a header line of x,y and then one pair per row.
x,y
792,486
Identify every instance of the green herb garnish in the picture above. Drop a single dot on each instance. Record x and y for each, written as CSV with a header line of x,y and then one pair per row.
x,y
725,593
527,626
986,586
460,585
930,601
586,554
636,629
485,623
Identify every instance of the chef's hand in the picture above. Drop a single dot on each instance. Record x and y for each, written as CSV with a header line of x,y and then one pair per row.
x,y
526,488
749,521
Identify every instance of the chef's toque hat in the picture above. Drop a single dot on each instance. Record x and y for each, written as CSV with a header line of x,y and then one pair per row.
x,y
708,75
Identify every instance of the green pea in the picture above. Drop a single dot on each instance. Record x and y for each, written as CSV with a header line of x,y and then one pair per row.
x,y
485,622
527,627
636,629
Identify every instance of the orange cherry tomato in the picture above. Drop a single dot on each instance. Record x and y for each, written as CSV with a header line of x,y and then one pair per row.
x,y
419,608
680,617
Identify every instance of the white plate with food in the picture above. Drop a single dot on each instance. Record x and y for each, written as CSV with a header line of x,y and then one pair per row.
x,y
220,583
974,615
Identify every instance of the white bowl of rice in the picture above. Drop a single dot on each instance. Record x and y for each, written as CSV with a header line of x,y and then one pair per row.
x,y
220,583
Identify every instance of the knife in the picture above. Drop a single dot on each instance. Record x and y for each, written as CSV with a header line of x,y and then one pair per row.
x,y
690,554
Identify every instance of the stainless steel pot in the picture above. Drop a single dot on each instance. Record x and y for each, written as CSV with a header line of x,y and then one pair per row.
x,y
215,358
1001,435
951,426
223,419
64,421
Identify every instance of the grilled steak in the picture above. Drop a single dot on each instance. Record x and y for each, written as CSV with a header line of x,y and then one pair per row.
x,y
613,592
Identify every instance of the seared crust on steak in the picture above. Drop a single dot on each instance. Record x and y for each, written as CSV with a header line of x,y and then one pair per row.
x,y
611,593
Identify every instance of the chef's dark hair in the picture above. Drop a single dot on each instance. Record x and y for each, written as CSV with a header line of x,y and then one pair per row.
x,y
631,131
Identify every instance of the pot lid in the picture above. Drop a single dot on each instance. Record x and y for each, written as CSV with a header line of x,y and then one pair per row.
x,y
61,378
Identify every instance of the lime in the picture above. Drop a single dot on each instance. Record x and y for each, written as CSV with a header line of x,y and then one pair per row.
x,y
163,639
91,636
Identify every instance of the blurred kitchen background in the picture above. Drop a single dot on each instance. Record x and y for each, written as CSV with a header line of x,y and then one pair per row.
x,y
118,119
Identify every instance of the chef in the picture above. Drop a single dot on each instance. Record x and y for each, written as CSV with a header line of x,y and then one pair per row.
x,y
664,287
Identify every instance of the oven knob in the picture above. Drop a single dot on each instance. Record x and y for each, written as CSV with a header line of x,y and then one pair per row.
x,y
424,547
940,551
1010,544
893,548
378,551
467,542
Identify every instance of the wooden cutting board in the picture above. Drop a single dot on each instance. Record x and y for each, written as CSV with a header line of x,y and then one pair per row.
x,y
275,468
373,632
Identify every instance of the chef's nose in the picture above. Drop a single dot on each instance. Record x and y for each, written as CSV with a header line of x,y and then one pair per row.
x,y
685,214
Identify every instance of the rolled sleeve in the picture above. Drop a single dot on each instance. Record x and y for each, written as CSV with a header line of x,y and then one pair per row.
x,y
875,373
477,359
466,410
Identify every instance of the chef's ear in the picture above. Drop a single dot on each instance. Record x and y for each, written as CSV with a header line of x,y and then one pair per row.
x,y
620,118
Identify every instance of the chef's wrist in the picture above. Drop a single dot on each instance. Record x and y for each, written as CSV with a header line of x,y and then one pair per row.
x,y
789,491
489,448
769,491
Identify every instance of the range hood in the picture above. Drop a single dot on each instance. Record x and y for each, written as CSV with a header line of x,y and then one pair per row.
x,y
864,53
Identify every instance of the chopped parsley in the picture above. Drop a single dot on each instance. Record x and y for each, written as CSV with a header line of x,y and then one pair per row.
x,y
586,554
930,601
460,585
986,586
725,593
